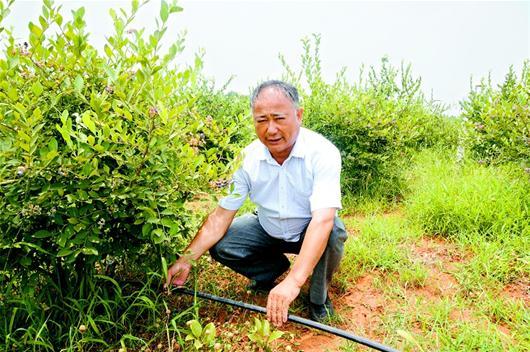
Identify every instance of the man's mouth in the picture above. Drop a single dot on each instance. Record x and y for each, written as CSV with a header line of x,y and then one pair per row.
x,y
274,140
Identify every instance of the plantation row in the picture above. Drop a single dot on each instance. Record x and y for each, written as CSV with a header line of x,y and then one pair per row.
x,y
101,154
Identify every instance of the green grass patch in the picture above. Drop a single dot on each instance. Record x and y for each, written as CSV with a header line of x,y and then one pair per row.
x,y
484,209
494,263
455,324
380,245
449,198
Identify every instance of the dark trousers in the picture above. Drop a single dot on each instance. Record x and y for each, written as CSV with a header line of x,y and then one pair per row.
x,y
247,249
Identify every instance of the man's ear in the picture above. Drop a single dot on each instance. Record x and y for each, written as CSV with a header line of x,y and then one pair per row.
x,y
300,114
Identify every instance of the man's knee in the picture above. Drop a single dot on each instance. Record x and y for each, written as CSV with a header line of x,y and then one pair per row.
x,y
338,236
215,251
222,251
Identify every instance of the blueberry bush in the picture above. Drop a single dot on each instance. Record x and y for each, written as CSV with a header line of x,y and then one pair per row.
x,y
99,153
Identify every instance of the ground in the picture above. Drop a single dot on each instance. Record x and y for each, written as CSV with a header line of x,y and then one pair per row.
x,y
430,311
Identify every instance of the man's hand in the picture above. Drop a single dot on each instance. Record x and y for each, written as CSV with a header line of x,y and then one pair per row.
x,y
280,297
178,273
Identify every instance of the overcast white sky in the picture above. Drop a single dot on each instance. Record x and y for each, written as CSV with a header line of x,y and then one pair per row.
x,y
446,42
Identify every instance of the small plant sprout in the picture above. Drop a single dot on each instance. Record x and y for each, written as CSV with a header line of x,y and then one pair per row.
x,y
262,335
201,337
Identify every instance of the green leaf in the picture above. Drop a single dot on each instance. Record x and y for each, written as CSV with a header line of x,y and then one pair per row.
x,y
88,122
146,229
89,251
108,50
65,135
275,335
135,5
407,336
196,328
37,88
175,8
164,268
164,10
91,140
34,29
167,222
266,328
209,332
64,252
158,236
59,19
12,93
52,144
32,245
198,344
42,234
51,154
93,324
78,83
25,261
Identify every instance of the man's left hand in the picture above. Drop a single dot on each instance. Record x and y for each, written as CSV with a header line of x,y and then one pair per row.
x,y
280,297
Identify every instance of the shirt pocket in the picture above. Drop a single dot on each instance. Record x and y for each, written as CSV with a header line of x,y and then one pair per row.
x,y
300,189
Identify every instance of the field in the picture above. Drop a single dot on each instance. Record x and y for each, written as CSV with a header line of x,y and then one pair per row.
x,y
402,286
110,160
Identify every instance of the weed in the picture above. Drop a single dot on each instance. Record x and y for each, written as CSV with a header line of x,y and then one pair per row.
x,y
413,276
262,335
201,336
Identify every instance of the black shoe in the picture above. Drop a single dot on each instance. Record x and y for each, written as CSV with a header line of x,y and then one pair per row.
x,y
320,312
261,286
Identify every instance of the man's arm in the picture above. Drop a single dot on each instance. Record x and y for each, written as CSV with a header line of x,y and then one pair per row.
x,y
209,234
315,242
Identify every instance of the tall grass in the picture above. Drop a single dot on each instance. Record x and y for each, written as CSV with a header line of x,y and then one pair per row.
x,y
113,315
485,209
450,198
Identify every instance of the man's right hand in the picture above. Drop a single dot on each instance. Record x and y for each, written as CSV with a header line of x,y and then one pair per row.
x,y
178,273
209,234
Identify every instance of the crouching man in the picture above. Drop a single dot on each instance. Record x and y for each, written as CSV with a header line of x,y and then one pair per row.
x,y
293,176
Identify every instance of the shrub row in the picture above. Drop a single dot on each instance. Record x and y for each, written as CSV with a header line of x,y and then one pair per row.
x,y
498,119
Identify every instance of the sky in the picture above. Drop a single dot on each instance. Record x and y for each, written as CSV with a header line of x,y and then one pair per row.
x,y
447,43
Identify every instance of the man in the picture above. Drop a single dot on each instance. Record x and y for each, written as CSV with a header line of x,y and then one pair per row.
x,y
293,176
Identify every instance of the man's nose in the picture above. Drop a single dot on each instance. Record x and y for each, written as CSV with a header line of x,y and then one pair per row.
x,y
272,128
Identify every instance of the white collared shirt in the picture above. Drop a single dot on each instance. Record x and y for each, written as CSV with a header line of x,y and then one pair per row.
x,y
309,179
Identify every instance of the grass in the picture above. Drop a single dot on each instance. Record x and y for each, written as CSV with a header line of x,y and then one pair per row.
x,y
380,245
450,198
494,263
113,315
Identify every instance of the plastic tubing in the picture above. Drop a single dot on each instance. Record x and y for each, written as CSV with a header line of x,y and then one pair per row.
x,y
310,323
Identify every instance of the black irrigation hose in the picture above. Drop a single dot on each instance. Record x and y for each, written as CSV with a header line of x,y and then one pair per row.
x,y
312,324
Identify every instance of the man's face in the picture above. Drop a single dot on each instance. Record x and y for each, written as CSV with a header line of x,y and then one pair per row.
x,y
277,122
